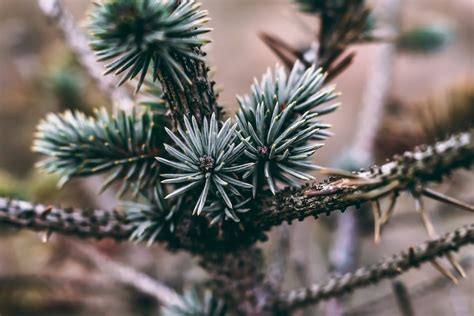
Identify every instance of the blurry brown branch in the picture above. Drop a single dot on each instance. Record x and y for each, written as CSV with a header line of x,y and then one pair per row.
x,y
425,165
403,298
338,29
379,82
388,268
124,274
408,123
50,294
78,43
50,282
343,251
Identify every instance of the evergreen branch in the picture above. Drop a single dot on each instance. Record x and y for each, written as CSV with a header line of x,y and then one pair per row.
x,y
77,41
346,23
388,268
161,39
67,221
278,122
138,35
194,304
341,23
424,165
77,145
152,216
207,159
343,251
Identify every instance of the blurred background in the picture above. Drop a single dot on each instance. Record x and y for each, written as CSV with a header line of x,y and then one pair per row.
x,y
39,74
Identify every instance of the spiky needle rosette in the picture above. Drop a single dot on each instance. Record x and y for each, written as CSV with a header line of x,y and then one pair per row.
x,y
194,304
278,122
219,211
150,216
79,145
207,158
135,35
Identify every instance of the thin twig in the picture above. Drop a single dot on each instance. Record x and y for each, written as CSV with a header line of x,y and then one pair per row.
x,y
424,166
279,258
447,199
78,43
403,298
388,268
383,303
125,275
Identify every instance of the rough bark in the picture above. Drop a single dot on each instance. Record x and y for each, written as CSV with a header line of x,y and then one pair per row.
x,y
388,268
425,165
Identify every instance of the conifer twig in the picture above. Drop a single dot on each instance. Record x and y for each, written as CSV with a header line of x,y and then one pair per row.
x,y
417,291
387,268
126,275
425,165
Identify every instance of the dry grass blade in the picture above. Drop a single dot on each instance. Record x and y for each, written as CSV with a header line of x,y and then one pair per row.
x,y
447,199
388,214
377,220
444,271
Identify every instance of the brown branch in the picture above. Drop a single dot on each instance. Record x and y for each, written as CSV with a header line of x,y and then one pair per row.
x,y
383,303
198,99
338,30
419,290
68,221
126,275
403,298
388,268
343,251
78,43
238,278
424,165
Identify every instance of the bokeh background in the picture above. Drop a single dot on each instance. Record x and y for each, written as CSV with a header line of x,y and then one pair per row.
x,y
39,74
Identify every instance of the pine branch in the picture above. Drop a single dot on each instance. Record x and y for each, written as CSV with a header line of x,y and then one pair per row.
x,y
388,268
79,145
417,291
161,40
424,165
